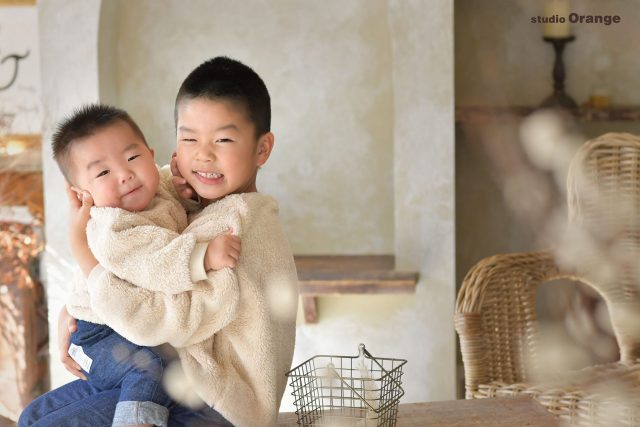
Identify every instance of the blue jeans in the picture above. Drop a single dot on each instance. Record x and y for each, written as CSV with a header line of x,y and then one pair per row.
x,y
110,361
79,404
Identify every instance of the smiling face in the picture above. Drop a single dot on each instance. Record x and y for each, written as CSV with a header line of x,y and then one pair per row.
x,y
217,149
116,167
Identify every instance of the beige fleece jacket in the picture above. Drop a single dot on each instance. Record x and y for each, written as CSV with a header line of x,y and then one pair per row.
x,y
145,248
234,332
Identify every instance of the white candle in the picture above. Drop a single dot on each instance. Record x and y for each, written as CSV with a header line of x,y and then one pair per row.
x,y
556,13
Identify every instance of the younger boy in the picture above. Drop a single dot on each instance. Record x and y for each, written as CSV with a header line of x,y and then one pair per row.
x,y
134,232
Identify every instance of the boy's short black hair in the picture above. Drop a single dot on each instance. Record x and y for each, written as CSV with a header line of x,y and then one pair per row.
x,y
84,122
223,78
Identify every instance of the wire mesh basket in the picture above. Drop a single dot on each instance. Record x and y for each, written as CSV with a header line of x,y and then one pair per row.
x,y
345,391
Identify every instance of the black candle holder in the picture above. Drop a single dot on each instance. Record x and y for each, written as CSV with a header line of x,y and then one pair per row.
x,y
559,98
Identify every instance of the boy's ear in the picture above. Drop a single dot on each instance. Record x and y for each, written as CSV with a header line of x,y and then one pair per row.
x,y
153,153
265,146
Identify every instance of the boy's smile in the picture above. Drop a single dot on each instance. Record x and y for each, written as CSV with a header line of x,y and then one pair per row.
x,y
217,150
210,178
116,167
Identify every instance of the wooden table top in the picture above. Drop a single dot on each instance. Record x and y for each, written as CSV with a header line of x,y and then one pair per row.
x,y
498,412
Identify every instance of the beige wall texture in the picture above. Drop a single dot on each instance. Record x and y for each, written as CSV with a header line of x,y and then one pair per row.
x,y
504,61
362,97
69,72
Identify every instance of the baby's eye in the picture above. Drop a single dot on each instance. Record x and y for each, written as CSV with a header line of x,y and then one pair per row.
x,y
224,140
188,139
133,157
103,173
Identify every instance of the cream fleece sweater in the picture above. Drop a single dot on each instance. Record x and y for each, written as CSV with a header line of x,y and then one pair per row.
x,y
140,247
240,371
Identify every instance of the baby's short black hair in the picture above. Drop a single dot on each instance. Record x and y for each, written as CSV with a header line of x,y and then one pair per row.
x,y
223,78
84,122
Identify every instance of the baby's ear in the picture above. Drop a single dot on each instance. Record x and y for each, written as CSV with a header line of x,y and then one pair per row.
x,y
153,153
75,190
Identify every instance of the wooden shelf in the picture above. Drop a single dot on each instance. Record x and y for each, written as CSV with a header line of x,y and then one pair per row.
x,y
330,275
480,114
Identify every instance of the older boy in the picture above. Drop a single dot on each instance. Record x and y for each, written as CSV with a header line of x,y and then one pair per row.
x,y
222,121
134,232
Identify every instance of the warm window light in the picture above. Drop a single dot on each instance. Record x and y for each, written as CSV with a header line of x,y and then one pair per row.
x,y
20,152
14,147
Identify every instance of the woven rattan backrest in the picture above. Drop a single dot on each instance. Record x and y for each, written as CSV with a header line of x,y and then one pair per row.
x,y
603,192
509,317
496,317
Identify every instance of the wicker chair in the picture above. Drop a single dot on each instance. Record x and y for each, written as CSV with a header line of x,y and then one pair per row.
x,y
495,310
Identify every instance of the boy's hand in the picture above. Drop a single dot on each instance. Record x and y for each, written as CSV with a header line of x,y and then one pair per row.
x,y
223,251
80,203
67,325
183,189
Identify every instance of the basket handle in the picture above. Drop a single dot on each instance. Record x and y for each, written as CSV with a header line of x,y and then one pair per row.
x,y
364,353
362,350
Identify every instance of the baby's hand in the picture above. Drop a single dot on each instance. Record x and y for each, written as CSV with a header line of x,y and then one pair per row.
x,y
223,251
80,203
183,189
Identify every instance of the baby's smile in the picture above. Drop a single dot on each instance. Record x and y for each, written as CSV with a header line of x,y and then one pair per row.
x,y
133,191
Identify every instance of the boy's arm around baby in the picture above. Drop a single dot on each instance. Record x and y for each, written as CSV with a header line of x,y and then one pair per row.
x,y
152,318
146,248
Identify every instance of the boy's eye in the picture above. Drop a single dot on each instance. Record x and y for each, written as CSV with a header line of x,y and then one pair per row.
x,y
103,173
133,157
224,140
188,140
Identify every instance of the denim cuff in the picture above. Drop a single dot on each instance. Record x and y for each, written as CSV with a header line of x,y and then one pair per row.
x,y
130,413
